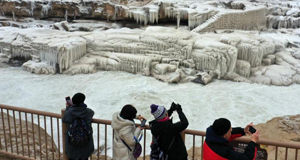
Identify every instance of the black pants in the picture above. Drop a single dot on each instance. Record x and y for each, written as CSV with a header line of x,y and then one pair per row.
x,y
79,159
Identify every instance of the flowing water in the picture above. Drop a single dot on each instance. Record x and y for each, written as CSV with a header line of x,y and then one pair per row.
x,y
107,92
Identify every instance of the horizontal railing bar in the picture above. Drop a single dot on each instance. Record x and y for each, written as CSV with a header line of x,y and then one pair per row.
x,y
248,139
26,110
13,155
194,132
270,142
101,121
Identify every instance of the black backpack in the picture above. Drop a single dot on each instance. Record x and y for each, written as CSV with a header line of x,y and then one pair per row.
x,y
156,153
79,133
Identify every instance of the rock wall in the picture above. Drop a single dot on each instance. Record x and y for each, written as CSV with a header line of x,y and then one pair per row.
x,y
210,16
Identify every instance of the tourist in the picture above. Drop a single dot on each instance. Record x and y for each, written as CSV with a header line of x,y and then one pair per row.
x,y
126,133
220,134
167,133
79,144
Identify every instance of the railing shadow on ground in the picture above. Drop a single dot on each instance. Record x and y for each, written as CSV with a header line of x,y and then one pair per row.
x,y
32,134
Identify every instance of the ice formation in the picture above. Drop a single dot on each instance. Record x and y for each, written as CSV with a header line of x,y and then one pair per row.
x,y
237,40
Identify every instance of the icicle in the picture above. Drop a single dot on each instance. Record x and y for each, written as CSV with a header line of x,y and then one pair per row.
x,y
178,19
32,7
66,15
46,8
13,13
116,12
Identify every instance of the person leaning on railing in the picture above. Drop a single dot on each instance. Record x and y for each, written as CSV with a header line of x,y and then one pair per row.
x,y
167,133
125,132
77,109
218,137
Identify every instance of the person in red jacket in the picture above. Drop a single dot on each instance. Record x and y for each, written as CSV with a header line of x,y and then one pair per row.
x,y
218,136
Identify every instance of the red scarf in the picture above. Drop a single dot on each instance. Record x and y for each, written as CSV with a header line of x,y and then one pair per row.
x,y
164,119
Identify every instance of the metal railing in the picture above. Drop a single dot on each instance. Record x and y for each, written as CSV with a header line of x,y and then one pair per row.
x,y
32,134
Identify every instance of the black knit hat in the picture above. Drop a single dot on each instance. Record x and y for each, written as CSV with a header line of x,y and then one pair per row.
x,y
78,98
128,112
221,126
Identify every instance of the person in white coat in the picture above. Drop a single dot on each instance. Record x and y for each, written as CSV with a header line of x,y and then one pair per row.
x,y
125,129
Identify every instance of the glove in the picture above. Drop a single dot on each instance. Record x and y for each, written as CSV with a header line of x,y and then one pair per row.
x,y
173,107
178,108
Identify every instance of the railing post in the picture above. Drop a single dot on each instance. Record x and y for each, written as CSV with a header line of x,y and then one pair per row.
x,y
64,130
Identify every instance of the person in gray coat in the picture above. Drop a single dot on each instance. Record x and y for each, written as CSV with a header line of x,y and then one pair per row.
x,y
78,110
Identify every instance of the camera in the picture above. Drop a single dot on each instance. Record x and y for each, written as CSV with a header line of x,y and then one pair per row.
x,y
69,102
252,130
174,106
143,123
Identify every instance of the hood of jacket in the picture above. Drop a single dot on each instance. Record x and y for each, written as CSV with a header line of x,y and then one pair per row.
x,y
212,137
118,122
158,127
79,110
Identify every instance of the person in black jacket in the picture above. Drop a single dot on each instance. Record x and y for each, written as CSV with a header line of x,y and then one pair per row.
x,y
77,109
167,132
218,136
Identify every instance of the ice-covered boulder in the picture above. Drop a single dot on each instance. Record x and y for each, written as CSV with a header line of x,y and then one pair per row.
x,y
4,58
210,55
39,67
59,49
273,75
243,68
285,58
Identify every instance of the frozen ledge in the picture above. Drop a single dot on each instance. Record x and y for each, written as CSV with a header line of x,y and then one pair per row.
x,y
168,54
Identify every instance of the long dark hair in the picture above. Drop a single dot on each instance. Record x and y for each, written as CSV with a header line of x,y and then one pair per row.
x,y
128,112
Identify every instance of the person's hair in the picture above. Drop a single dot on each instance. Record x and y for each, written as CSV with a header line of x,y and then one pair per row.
x,y
78,98
221,126
128,112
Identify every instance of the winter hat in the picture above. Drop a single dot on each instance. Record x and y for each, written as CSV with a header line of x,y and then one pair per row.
x,y
157,111
78,98
221,126
128,112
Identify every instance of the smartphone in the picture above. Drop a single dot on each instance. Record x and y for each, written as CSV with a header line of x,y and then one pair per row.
x,y
143,123
252,130
68,100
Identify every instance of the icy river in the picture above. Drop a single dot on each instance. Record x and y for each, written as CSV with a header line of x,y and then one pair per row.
x,y
108,92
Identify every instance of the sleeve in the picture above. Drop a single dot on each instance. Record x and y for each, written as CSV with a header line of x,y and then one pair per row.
x,y
67,118
236,133
170,112
90,115
249,153
182,125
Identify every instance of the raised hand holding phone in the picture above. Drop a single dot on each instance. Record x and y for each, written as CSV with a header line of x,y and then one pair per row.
x,y
252,129
143,123
69,101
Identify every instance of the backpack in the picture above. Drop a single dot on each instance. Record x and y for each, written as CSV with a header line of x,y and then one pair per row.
x,y
79,133
156,153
